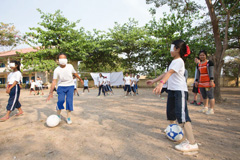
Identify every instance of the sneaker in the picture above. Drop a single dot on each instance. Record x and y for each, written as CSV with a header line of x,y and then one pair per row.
x,y
60,119
185,146
194,103
204,109
200,104
210,111
69,121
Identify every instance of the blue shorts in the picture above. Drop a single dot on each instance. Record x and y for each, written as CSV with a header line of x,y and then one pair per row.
x,y
136,86
13,101
177,106
65,92
127,88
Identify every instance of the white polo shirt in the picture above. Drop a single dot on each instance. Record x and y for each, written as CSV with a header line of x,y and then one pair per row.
x,y
14,76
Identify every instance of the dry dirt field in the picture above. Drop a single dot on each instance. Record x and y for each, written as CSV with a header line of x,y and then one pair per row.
x,y
116,128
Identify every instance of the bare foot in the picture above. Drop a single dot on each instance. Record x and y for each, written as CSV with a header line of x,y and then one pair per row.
x,y
19,114
4,119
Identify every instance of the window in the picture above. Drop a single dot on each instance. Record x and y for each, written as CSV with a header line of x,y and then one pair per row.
x,y
2,80
25,80
2,65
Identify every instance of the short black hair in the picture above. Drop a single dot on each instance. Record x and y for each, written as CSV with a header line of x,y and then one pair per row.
x,y
202,51
61,54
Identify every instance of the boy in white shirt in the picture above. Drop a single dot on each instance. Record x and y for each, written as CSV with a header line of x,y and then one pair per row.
x,y
75,85
64,73
127,83
85,86
32,88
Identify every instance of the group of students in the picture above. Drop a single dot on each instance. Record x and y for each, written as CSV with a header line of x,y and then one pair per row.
x,y
177,109
130,84
104,85
37,86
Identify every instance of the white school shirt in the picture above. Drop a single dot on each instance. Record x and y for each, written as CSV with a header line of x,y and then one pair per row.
x,y
33,84
177,81
64,75
127,80
75,83
165,84
104,81
85,83
100,80
14,76
133,80
38,83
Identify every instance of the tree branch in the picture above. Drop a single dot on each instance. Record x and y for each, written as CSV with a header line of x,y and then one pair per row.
x,y
233,7
223,6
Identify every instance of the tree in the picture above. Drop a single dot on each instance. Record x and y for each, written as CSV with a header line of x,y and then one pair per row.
x,y
232,67
217,10
9,36
129,42
101,55
56,34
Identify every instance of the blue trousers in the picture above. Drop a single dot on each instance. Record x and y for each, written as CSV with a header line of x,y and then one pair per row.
x,y
13,101
65,92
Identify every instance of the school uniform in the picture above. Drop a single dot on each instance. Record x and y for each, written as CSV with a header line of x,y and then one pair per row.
x,y
75,83
177,93
13,101
109,86
65,86
133,80
85,84
127,84
101,86
105,85
33,84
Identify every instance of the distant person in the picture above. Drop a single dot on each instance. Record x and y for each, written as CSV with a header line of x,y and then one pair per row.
x,y
75,85
195,89
32,88
205,81
137,80
85,85
100,84
127,83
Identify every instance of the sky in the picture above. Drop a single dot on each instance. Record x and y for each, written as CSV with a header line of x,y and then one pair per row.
x,y
93,14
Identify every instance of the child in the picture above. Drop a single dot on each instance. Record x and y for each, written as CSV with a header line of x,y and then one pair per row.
x,y
177,92
164,88
85,84
64,73
133,81
13,89
105,85
109,87
75,85
127,83
195,89
100,84
33,84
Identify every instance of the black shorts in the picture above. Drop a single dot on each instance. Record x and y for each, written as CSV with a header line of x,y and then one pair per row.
x,y
195,89
177,106
32,89
85,87
37,88
164,90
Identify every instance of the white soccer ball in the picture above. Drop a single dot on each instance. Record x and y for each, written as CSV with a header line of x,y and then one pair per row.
x,y
174,132
53,121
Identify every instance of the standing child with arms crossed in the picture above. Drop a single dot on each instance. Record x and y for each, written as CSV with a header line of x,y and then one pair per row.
x,y
177,94
64,73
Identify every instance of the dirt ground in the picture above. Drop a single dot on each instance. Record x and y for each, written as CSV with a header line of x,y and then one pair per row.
x,y
116,128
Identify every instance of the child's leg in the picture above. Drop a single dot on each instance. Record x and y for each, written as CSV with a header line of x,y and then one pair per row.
x,y
69,98
68,114
187,127
61,99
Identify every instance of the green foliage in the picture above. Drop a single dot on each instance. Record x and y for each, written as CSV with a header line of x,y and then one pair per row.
x,y
55,35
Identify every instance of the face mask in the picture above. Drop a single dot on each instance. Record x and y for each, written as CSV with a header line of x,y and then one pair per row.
x,y
62,61
11,64
172,48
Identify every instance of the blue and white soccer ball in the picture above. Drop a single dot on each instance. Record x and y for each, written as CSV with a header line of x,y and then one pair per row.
x,y
174,132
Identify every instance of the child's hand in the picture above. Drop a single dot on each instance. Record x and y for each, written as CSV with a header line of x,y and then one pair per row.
x,y
50,96
8,90
212,83
158,89
149,82
196,84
